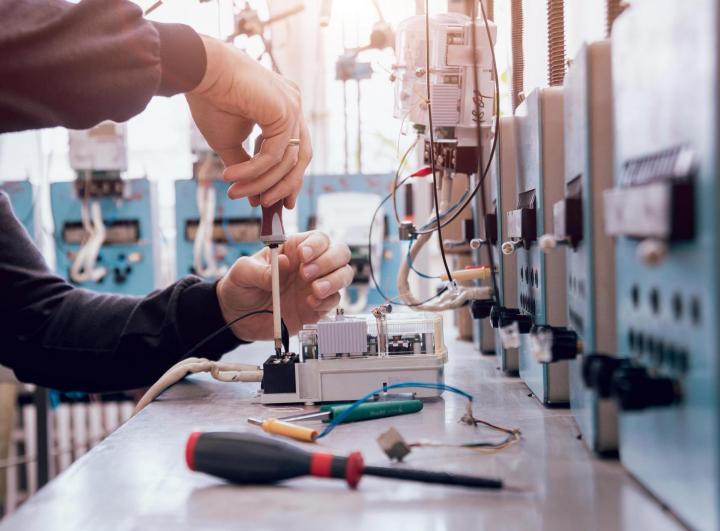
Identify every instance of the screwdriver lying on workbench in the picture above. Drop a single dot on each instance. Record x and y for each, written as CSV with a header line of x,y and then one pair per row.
x,y
327,413
246,458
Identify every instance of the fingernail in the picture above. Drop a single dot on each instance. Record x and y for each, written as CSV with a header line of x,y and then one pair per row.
x,y
306,253
322,287
311,271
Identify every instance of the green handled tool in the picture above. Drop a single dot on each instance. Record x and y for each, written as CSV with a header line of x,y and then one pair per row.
x,y
366,411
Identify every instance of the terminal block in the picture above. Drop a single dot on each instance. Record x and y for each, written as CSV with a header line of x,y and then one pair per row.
x,y
346,357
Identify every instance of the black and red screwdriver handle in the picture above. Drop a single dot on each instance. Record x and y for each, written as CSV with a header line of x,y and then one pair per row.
x,y
247,458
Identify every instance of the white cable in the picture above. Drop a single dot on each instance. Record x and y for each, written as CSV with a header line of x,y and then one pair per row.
x,y
456,296
221,371
83,268
204,262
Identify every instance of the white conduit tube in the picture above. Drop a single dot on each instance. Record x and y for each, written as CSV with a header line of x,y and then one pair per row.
x,y
455,296
84,267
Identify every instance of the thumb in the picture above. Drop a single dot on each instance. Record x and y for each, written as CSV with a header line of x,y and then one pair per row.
x,y
248,271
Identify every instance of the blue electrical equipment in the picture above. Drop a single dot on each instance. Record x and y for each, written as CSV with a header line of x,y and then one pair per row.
x,y
663,212
235,231
126,260
541,279
321,204
503,196
22,200
578,229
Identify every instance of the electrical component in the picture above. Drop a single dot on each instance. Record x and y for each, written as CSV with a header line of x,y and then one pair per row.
x,y
503,195
451,83
666,190
541,279
213,231
393,444
102,148
589,251
330,368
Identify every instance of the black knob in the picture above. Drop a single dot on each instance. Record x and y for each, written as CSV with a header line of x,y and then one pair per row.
x,y
598,371
554,343
482,308
495,316
636,389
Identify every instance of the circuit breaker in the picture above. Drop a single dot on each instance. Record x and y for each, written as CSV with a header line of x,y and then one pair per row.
x,y
540,278
578,232
663,213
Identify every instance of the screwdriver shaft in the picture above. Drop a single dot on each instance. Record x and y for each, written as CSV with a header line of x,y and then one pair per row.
x,y
277,318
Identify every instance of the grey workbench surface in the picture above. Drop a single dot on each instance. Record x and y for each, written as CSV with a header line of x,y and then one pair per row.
x,y
137,478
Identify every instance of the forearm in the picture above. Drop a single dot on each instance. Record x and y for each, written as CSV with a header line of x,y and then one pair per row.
x,y
68,338
97,342
78,64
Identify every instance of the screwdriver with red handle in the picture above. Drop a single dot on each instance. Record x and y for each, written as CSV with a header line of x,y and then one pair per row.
x,y
250,459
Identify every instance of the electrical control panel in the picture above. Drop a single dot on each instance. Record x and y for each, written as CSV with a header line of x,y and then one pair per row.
x,y
541,278
483,333
663,213
324,196
23,203
578,231
346,357
234,229
503,196
126,258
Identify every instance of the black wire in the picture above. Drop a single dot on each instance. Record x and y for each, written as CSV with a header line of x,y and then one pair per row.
x,y
370,264
432,141
493,149
478,131
228,325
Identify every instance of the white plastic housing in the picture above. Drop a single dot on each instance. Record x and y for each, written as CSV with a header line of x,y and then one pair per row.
x,y
451,78
102,148
349,376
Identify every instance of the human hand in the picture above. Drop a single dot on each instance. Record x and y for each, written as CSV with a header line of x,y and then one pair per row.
x,y
235,94
312,272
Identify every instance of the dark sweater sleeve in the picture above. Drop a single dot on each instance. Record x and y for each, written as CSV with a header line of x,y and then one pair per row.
x,y
75,65
68,338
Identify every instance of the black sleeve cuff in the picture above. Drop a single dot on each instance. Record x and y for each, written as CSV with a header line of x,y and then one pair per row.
x,y
199,316
182,58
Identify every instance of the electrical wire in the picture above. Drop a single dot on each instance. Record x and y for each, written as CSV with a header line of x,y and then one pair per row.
x,y
372,269
221,371
432,142
402,385
228,325
493,148
478,132
513,435
400,166
409,260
